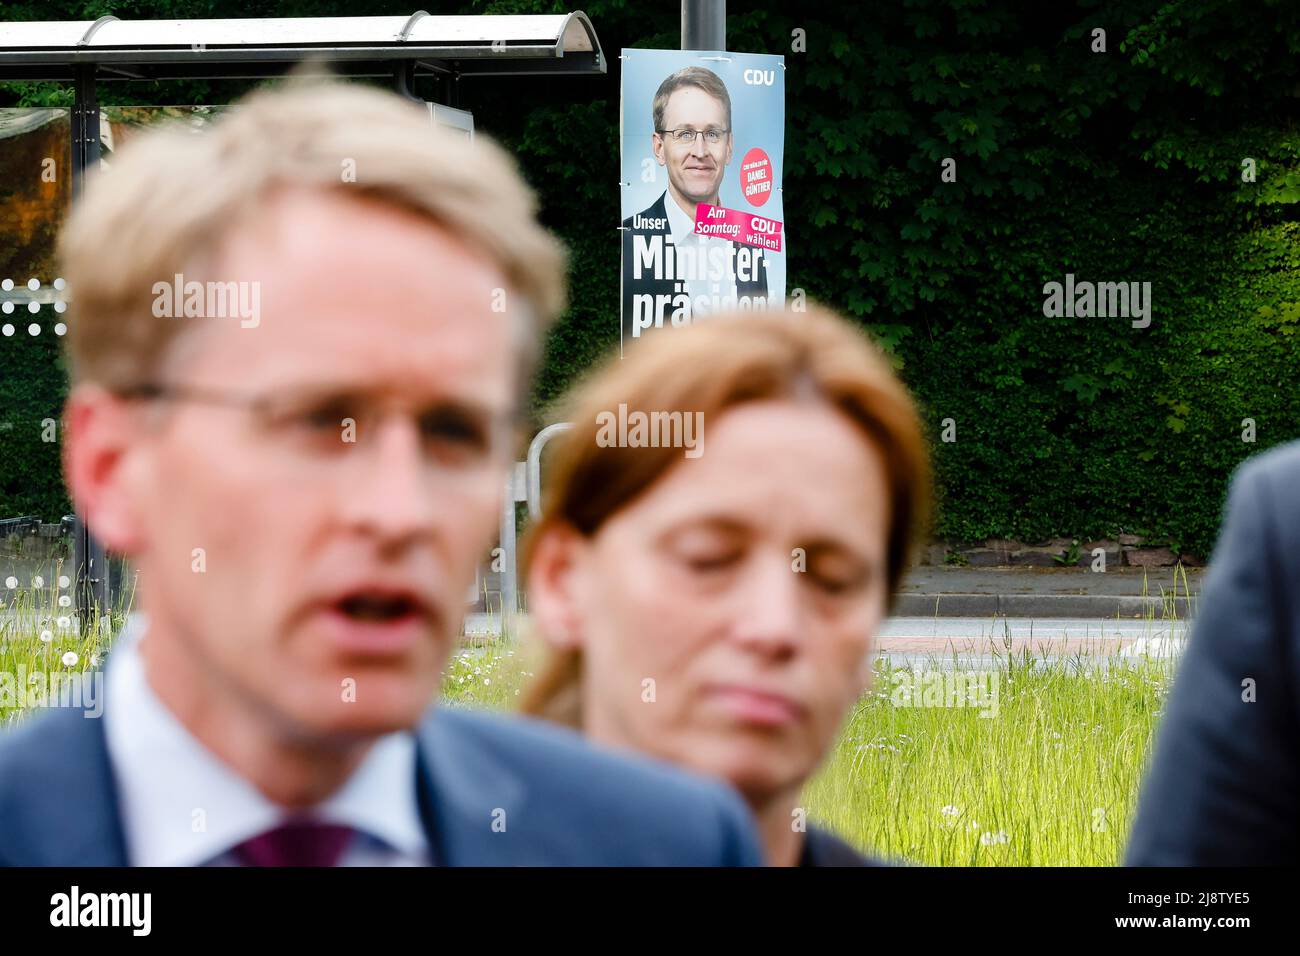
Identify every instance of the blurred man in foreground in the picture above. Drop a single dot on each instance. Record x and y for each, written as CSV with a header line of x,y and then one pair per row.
x,y
298,345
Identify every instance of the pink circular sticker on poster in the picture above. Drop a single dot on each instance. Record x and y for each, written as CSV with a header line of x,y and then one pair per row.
x,y
756,177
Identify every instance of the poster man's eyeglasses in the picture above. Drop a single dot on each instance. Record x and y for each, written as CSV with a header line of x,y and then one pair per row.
x,y
685,136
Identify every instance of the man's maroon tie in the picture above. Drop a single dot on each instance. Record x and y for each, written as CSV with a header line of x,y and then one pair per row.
x,y
296,843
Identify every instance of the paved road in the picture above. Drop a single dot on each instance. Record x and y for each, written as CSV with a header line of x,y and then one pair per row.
x,y
973,640
983,640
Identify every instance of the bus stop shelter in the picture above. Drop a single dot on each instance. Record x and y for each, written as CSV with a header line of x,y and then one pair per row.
x,y
403,48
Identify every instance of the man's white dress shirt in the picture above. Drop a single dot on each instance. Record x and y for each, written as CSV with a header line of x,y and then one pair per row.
x,y
182,806
720,292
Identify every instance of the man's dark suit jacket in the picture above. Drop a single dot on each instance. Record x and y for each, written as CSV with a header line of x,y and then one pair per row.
x,y
567,804
1224,784
823,848
756,287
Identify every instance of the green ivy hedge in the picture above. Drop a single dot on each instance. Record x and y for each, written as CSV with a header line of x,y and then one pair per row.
x,y
1123,165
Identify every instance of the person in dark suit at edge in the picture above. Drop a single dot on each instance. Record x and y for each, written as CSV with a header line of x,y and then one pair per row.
x,y
1223,788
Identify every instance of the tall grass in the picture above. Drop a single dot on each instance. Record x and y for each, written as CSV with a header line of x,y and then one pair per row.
x,y
489,675
41,637
1051,780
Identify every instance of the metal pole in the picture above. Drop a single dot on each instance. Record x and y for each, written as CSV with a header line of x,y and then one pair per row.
x,y
404,81
516,490
535,465
704,24
90,562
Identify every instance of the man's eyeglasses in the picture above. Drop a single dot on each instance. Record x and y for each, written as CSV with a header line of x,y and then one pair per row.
x,y
685,136
314,427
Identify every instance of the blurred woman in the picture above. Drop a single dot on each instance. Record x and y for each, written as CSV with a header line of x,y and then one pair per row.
x,y
723,530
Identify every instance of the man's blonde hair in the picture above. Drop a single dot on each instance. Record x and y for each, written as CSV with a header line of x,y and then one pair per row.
x,y
173,194
696,76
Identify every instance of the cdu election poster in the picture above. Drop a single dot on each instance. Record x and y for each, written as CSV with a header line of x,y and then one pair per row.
x,y
702,137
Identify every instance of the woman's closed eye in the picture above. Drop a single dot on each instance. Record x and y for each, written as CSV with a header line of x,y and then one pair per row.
x,y
838,573
713,559
706,550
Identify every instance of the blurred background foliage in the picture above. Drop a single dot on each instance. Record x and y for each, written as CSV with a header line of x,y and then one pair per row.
x,y
1122,166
